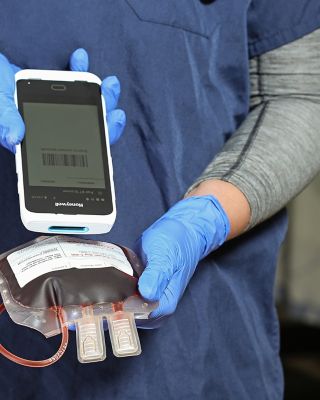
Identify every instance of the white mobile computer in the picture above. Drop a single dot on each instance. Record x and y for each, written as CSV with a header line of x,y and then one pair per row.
x,y
64,166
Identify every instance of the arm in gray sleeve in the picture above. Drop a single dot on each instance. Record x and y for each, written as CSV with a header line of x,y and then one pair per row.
x,y
275,153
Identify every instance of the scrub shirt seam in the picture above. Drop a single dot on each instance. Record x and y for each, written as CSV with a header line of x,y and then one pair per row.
x,y
247,146
254,43
267,37
205,36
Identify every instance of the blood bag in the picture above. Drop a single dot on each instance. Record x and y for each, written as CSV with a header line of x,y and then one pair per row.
x,y
53,282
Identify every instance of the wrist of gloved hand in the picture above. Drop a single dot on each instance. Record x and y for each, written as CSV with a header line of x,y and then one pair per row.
x,y
173,246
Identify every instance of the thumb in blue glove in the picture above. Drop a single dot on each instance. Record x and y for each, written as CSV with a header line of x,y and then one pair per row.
x,y
173,246
11,124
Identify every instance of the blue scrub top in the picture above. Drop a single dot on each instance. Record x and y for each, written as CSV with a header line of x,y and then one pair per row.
x,y
183,66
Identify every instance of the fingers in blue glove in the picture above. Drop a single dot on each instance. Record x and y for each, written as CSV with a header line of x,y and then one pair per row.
x,y
172,247
15,68
170,298
11,124
116,124
79,60
111,89
153,282
7,82
154,287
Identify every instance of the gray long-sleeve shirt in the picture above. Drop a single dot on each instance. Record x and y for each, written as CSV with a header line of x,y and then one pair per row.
x,y
275,153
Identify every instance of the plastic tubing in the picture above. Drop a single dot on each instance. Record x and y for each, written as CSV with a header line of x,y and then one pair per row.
x,y
48,361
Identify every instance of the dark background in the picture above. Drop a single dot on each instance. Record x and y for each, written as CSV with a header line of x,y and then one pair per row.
x,y
298,297
301,360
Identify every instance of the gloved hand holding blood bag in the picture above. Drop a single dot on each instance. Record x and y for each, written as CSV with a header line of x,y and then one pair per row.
x,y
53,282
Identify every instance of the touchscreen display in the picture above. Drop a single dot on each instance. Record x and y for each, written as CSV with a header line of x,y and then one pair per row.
x,y
63,144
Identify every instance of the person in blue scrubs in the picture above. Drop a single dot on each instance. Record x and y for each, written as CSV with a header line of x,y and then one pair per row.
x,y
184,71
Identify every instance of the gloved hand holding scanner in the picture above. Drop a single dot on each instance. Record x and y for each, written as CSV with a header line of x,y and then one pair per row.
x,y
64,165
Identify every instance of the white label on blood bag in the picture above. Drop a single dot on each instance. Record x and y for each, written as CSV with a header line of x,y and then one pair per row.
x,y
59,252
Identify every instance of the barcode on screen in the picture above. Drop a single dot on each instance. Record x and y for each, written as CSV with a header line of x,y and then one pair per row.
x,y
64,160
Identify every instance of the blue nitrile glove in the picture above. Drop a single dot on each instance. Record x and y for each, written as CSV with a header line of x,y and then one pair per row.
x,y
172,247
11,124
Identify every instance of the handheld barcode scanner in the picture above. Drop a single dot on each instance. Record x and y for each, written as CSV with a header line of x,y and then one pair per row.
x,y
53,282
64,166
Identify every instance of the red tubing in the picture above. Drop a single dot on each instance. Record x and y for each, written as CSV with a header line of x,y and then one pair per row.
x,y
41,363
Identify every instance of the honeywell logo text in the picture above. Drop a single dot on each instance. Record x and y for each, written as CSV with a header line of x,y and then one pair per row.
x,y
67,204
